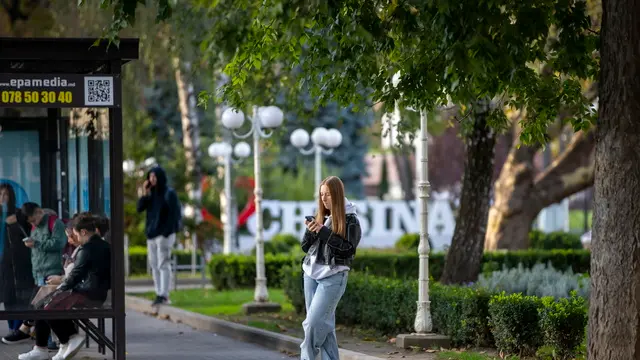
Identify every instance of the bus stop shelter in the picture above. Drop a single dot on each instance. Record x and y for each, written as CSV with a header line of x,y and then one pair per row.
x,y
61,147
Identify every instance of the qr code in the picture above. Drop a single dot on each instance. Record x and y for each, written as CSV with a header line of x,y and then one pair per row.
x,y
98,91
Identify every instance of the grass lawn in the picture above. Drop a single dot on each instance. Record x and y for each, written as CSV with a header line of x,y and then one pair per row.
x,y
227,305
181,275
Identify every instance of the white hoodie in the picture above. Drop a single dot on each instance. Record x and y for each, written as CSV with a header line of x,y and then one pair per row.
x,y
321,271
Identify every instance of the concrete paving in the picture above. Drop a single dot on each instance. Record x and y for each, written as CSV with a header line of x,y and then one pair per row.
x,y
149,338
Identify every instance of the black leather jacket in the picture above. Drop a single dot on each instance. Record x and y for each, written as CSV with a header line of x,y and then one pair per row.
x,y
330,248
91,273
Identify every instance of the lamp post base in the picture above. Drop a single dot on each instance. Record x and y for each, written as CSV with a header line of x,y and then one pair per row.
x,y
261,307
424,341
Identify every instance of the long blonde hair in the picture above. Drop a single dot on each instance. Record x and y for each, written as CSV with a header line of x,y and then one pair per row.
x,y
337,211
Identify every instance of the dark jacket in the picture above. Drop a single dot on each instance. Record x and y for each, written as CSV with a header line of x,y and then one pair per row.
x,y
16,280
91,273
164,212
331,248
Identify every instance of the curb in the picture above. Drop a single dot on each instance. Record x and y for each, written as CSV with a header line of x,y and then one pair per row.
x,y
264,338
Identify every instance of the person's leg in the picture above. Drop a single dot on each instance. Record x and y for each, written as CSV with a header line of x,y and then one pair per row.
x,y
310,287
165,245
307,350
43,332
152,256
19,333
40,351
70,340
320,321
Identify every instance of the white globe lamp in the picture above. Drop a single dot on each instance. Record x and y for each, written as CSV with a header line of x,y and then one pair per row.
x,y
270,116
214,150
299,138
319,136
150,162
232,118
128,166
242,150
334,138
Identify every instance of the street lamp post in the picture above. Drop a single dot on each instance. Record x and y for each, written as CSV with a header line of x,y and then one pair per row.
x,y
324,142
224,151
268,117
423,337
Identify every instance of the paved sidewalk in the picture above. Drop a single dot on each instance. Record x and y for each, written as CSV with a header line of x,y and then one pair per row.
x,y
149,338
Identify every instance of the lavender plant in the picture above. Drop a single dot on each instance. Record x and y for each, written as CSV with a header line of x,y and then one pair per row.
x,y
540,280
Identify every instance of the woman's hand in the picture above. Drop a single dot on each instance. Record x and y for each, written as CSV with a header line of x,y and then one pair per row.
x,y
313,226
54,280
11,219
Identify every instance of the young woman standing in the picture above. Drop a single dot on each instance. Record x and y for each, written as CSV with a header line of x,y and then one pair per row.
x,y
330,243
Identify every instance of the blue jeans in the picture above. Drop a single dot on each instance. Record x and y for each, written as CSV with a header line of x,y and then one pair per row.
x,y
14,324
321,298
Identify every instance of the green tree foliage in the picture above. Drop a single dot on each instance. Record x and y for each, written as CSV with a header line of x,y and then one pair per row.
x,y
446,52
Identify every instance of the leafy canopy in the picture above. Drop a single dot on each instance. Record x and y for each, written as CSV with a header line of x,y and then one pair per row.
x,y
530,55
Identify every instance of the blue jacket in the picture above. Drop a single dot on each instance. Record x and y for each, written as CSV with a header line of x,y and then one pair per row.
x,y
164,211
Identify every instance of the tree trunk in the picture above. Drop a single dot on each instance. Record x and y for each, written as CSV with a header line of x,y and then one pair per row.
x,y
465,254
614,305
520,194
190,132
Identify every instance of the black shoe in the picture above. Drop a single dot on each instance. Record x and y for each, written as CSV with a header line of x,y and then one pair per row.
x,y
158,301
16,337
161,300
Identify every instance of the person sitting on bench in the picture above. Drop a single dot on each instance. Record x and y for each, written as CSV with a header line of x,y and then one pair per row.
x,y
86,286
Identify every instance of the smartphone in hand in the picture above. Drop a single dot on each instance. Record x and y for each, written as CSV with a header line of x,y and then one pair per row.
x,y
310,218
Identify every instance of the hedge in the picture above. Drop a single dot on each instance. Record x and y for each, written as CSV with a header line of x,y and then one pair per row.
x,y
554,240
138,259
515,324
239,271
231,271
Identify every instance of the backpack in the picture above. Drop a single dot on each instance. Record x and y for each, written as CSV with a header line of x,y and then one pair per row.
x,y
52,222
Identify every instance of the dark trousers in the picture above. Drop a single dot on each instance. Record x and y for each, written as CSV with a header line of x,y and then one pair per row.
x,y
63,329
14,324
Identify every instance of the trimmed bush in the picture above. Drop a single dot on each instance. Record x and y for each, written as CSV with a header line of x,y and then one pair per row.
x,y
280,244
138,259
563,324
398,266
515,324
293,286
410,242
470,316
554,240
562,260
239,271
384,304
462,313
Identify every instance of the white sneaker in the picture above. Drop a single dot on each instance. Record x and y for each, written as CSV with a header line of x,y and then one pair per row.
x,y
36,354
73,346
60,354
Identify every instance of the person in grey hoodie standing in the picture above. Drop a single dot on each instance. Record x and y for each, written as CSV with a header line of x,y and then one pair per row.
x,y
164,216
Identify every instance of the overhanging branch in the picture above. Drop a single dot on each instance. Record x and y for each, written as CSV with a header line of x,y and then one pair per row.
x,y
573,171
